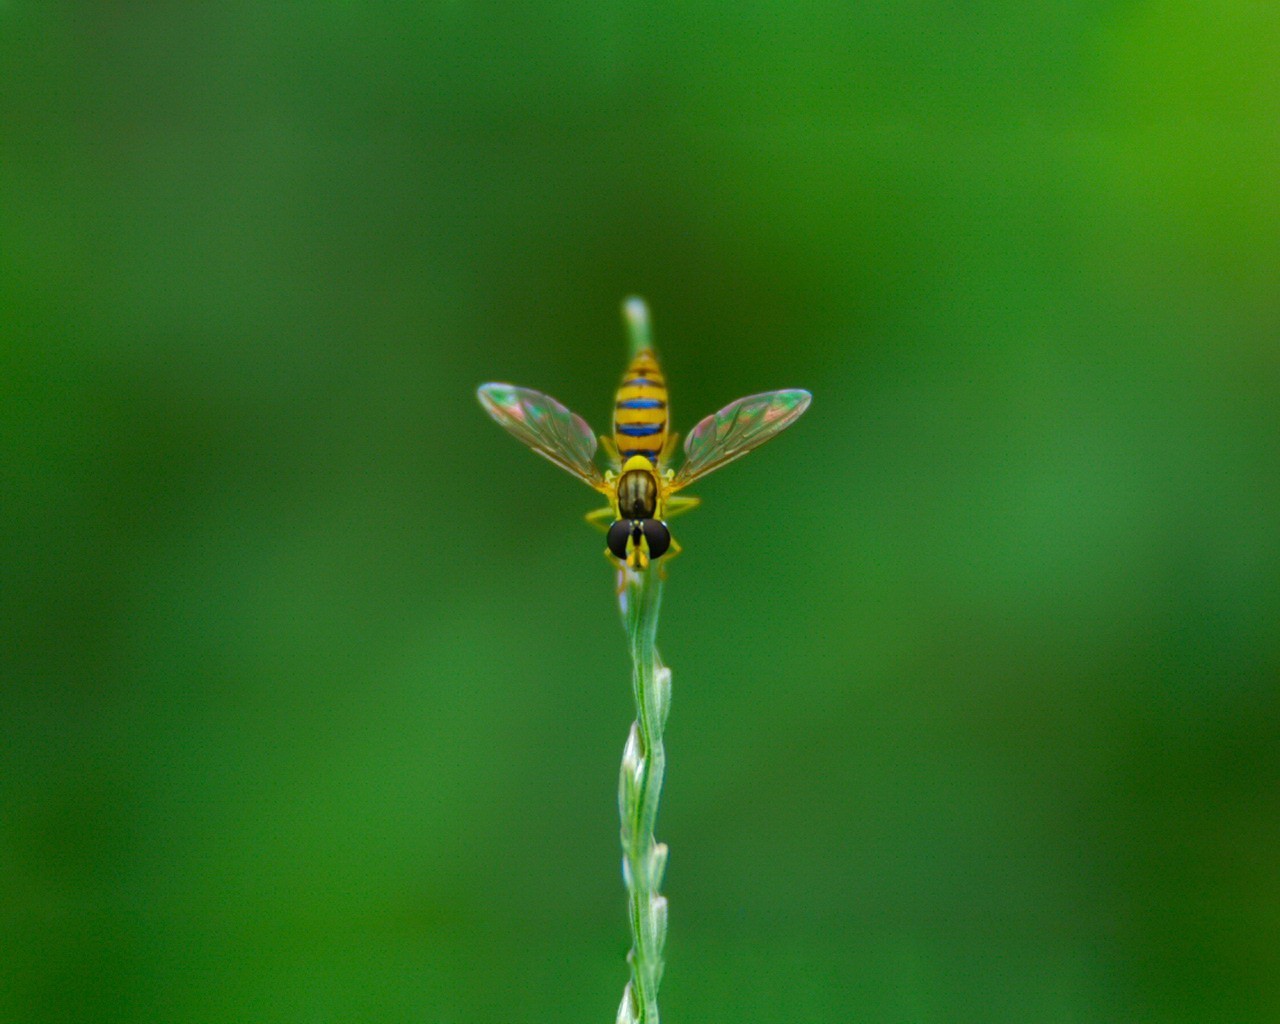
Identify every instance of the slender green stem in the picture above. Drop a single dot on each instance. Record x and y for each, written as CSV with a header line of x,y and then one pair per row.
x,y
635,313
639,788
644,859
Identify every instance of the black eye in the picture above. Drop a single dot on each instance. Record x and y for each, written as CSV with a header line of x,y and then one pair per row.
x,y
617,540
658,536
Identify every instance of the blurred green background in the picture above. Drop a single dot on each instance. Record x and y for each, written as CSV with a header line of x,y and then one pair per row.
x,y
314,688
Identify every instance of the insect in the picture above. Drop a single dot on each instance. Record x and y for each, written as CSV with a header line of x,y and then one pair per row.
x,y
640,485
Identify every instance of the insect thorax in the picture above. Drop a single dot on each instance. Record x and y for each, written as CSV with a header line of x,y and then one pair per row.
x,y
637,494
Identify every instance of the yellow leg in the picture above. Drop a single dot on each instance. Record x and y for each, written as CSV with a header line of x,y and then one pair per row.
x,y
601,518
678,504
621,569
672,551
610,449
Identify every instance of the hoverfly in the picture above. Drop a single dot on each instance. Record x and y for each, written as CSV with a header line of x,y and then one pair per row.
x,y
640,485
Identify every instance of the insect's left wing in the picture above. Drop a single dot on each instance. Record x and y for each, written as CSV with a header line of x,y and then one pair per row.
x,y
737,428
547,427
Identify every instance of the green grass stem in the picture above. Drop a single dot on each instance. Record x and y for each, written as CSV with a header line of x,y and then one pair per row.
x,y
635,313
644,859
639,787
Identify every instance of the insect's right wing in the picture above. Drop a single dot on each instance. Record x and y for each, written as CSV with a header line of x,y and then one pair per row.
x,y
547,427
736,429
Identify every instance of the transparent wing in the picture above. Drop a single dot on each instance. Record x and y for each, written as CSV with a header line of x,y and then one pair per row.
x,y
546,426
736,429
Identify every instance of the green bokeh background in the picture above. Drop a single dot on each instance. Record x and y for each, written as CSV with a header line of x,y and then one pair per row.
x,y
313,686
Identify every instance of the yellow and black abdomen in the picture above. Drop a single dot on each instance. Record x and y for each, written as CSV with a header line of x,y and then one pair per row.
x,y
640,410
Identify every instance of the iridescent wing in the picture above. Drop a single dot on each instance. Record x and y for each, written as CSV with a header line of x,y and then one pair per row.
x,y
547,427
736,429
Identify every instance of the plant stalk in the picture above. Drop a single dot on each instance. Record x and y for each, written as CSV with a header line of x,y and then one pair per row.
x,y
639,788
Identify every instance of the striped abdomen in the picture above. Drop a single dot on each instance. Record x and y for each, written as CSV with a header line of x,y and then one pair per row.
x,y
640,410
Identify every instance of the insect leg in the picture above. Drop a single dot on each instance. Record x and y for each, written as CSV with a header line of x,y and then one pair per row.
x,y
601,518
672,551
679,503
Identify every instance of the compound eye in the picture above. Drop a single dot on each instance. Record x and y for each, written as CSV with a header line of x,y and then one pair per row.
x,y
658,536
617,539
